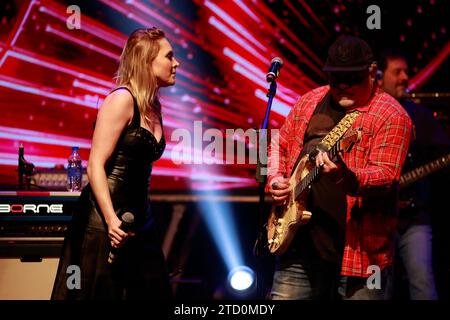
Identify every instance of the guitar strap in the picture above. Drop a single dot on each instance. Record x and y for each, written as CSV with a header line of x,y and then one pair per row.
x,y
338,131
334,135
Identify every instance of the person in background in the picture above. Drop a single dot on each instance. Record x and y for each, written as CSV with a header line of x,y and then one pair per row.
x,y
414,247
128,138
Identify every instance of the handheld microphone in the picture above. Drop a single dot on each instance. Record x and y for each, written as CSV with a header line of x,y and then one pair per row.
x,y
274,70
127,222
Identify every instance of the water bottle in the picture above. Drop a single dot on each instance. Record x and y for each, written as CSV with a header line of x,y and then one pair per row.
x,y
74,171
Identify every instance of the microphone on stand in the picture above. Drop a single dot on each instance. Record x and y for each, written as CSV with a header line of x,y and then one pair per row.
x,y
274,69
126,225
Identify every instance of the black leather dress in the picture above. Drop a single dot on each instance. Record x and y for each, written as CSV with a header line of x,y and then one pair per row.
x,y
139,272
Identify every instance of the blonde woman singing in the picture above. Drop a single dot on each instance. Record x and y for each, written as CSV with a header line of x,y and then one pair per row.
x,y
128,138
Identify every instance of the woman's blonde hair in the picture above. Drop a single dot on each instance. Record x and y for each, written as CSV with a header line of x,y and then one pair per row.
x,y
135,70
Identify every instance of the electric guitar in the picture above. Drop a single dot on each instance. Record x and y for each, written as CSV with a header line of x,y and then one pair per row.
x,y
421,172
284,220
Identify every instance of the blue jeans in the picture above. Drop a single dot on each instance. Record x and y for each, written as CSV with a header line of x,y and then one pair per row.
x,y
316,280
415,251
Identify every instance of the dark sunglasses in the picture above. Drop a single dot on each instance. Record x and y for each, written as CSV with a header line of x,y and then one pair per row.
x,y
347,78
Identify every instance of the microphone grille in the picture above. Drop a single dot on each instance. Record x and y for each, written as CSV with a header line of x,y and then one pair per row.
x,y
128,217
277,59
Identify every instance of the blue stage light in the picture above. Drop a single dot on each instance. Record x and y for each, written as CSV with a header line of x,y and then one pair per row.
x,y
219,220
241,278
218,216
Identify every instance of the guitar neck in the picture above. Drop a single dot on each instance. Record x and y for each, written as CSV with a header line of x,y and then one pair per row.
x,y
313,174
422,171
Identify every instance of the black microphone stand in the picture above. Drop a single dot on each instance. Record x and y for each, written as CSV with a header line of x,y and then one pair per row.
x,y
260,248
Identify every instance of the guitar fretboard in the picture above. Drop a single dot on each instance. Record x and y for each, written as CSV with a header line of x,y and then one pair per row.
x,y
313,174
422,171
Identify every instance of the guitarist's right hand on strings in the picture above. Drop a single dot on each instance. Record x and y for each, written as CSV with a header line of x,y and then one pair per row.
x,y
279,189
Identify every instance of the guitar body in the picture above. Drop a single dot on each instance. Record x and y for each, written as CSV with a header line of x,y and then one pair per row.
x,y
284,220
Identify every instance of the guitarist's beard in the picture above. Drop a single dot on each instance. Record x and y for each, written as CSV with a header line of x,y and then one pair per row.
x,y
346,103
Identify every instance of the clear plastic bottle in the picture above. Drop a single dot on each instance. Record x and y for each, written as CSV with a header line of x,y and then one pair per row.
x,y
74,171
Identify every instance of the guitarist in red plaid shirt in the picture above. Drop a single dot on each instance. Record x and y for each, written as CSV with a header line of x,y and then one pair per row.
x,y
348,244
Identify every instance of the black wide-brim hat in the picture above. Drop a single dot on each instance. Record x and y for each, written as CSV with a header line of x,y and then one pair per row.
x,y
348,53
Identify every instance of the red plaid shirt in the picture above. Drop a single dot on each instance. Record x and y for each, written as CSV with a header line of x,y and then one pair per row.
x,y
376,162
